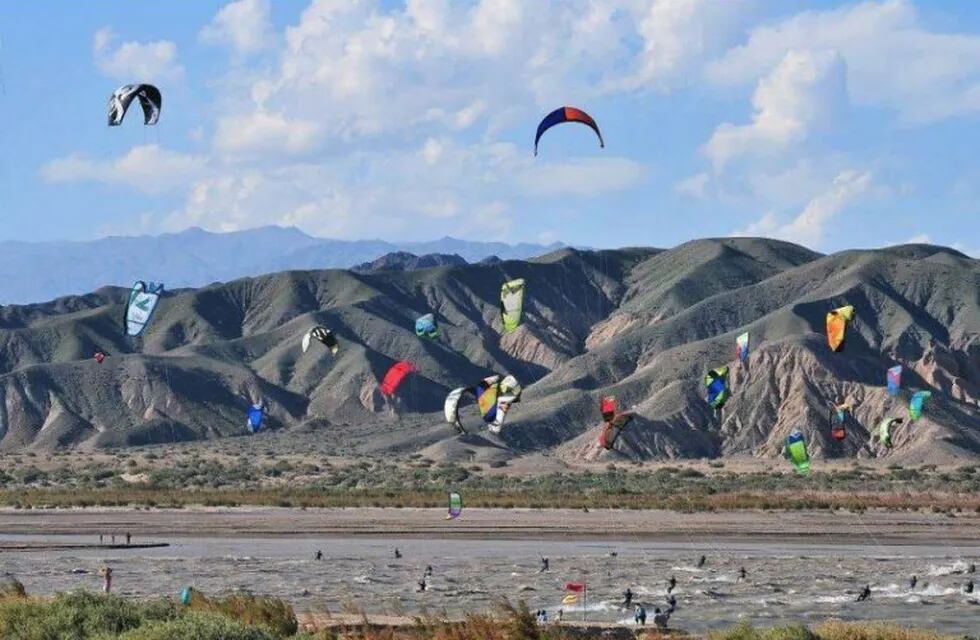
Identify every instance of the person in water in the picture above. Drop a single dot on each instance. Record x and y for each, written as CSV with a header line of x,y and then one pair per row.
x,y
969,587
702,561
319,555
671,584
973,568
914,581
422,585
428,571
671,603
544,565
627,598
640,615
398,554
660,619
865,593
742,573
106,579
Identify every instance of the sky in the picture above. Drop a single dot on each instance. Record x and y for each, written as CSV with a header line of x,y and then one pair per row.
x,y
831,124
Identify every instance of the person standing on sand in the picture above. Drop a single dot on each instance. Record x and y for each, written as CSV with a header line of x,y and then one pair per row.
x,y
128,538
106,573
113,538
101,537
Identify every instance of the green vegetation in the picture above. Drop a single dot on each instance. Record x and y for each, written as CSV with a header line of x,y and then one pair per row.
x,y
86,616
179,479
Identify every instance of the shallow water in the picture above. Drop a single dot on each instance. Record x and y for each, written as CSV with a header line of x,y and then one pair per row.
x,y
786,581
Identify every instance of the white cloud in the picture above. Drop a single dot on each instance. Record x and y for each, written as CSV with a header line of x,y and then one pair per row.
x,y
694,187
133,62
809,226
146,168
582,177
919,238
261,132
801,93
243,25
891,60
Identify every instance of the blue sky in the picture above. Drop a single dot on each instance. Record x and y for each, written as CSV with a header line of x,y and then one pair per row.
x,y
831,124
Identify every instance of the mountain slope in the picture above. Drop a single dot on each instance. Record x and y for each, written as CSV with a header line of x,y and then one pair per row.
x,y
641,324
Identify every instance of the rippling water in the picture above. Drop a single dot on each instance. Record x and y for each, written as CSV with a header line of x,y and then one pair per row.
x,y
786,582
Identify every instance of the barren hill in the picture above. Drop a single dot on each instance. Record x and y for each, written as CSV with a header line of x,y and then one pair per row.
x,y
642,324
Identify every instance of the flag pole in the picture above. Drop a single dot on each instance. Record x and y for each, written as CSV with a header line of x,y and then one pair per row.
x,y
585,602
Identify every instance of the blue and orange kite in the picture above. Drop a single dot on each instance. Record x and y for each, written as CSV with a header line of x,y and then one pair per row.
x,y
566,114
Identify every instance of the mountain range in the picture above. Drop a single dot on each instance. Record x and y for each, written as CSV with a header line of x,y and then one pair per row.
x,y
36,271
641,324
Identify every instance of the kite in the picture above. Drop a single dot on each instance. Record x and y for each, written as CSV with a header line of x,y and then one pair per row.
x,y
426,326
796,452
837,326
494,396
396,374
256,416
143,298
613,423
838,418
149,98
99,356
512,304
894,378
885,431
916,404
322,335
566,114
716,385
742,347
455,506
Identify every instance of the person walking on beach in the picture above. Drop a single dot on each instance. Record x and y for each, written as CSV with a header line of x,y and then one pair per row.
x,y
671,584
640,615
914,581
865,593
627,598
128,538
106,573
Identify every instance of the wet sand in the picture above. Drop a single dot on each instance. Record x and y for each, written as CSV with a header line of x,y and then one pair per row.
x,y
522,524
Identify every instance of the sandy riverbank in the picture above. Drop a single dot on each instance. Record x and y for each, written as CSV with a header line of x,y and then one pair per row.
x,y
883,526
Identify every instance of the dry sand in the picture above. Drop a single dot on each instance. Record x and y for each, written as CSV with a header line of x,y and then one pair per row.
x,y
882,526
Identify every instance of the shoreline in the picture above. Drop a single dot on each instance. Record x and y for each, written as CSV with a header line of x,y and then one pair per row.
x,y
520,524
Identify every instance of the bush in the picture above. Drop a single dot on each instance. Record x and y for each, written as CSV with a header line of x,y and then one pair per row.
x,y
76,616
199,626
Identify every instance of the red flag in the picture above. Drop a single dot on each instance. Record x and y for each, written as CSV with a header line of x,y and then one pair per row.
x,y
577,587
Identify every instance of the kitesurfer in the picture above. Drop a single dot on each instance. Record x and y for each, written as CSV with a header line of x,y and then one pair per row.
x,y
969,587
972,569
398,554
742,573
671,584
640,615
865,593
422,585
627,598
129,537
544,565
319,555
701,562
914,581
428,571
672,602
